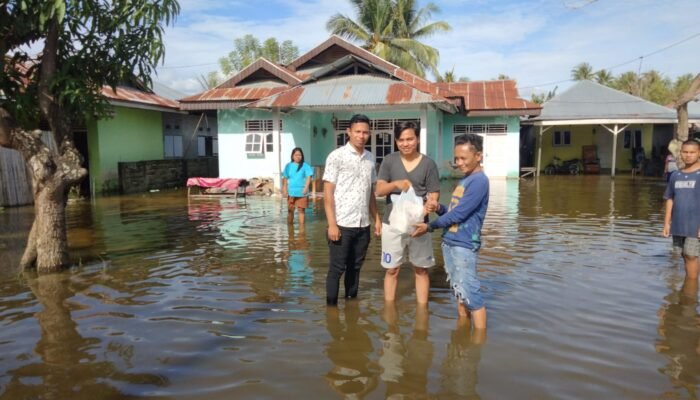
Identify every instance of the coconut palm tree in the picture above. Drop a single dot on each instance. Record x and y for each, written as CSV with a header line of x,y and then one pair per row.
x,y
392,30
582,71
604,77
448,77
627,82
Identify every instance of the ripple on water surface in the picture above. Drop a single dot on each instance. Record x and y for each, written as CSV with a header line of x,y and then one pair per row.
x,y
222,299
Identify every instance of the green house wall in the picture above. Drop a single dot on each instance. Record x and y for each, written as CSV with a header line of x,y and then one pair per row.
x,y
131,135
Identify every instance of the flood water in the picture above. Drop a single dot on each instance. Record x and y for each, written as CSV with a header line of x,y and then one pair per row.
x,y
219,300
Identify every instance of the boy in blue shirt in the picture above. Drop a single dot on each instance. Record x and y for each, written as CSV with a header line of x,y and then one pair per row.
x,y
682,219
462,222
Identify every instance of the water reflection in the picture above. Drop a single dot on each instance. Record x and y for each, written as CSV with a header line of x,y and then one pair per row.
x,y
405,364
679,331
353,375
220,299
64,353
300,275
460,366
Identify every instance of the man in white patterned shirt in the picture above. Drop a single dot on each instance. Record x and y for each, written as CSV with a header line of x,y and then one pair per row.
x,y
350,205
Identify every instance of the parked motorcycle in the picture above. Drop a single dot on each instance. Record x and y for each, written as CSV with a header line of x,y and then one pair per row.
x,y
557,166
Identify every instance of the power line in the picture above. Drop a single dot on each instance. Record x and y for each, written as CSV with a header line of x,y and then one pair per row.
x,y
636,59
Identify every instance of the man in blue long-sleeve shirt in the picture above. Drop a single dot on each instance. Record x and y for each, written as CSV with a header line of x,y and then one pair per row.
x,y
462,222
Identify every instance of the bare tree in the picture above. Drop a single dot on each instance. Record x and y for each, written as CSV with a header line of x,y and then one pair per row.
x,y
681,106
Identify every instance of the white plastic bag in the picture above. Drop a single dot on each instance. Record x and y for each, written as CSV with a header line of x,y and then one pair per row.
x,y
407,210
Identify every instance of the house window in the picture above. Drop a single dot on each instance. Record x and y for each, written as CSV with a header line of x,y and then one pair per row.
x,y
561,138
269,142
264,126
215,146
172,145
491,129
201,146
633,139
340,139
260,125
253,143
205,146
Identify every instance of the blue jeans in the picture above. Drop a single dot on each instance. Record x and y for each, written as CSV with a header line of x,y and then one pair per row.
x,y
346,257
460,265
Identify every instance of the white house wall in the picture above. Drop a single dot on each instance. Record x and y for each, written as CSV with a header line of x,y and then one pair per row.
x,y
235,163
501,150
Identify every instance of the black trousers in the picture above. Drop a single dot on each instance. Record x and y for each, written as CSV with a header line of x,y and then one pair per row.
x,y
346,257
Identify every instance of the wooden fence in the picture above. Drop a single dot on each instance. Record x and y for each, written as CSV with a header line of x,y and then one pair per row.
x,y
15,180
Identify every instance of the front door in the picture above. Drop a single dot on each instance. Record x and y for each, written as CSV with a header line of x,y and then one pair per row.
x,y
381,144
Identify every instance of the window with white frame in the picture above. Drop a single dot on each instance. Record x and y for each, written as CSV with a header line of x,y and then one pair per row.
x,y
172,145
260,125
254,143
263,126
493,129
269,142
561,138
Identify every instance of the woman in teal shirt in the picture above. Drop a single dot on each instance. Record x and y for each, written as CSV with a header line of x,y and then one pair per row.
x,y
296,178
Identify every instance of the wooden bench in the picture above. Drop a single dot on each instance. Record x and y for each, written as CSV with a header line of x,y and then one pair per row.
x,y
216,187
527,171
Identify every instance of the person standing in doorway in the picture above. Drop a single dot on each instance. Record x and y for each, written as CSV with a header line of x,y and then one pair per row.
x,y
296,179
399,172
348,197
682,219
463,221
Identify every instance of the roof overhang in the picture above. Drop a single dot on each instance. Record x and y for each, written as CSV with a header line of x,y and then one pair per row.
x,y
495,113
212,105
142,106
353,91
621,121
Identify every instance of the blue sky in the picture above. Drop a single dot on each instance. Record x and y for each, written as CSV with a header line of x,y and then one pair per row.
x,y
537,42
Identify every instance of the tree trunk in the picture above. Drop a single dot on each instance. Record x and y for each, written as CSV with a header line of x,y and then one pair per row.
x,y
52,174
681,106
682,130
47,246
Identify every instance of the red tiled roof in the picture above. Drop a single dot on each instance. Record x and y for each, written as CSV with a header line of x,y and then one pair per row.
x,y
131,95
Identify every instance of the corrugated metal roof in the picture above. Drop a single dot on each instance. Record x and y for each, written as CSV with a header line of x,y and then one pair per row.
x,y
587,100
235,94
212,105
489,96
351,90
479,98
131,95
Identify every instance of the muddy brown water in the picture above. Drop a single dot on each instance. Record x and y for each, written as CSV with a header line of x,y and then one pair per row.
x,y
219,300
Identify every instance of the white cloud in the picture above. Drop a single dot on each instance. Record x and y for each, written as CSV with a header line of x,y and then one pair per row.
x,y
536,41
